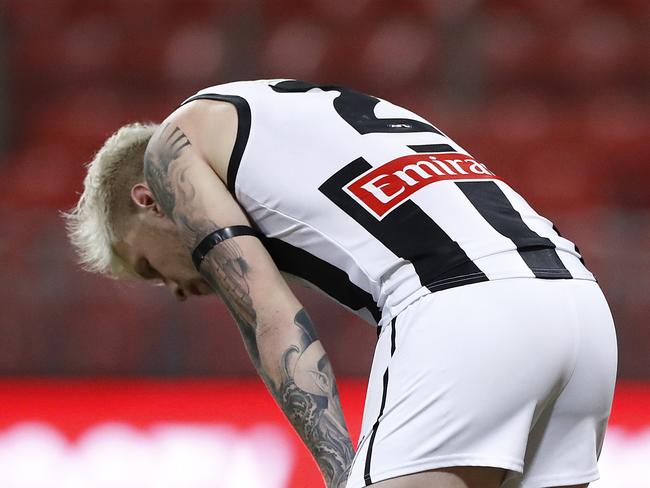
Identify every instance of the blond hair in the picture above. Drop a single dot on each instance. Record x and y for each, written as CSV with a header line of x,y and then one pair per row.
x,y
97,221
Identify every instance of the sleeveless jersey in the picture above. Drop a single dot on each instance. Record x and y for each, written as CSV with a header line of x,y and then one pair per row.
x,y
372,204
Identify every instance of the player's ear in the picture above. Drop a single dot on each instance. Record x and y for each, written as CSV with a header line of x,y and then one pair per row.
x,y
144,199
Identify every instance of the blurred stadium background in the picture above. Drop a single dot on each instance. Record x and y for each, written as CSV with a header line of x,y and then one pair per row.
x,y
107,385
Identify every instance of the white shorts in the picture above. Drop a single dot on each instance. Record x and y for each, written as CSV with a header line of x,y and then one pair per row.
x,y
517,374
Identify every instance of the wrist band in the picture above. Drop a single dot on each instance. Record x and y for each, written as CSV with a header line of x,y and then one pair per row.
x,y
218,236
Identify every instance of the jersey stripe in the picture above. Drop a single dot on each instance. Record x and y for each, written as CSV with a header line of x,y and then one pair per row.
x,y
243,130
565,249
409,233
327,277
537,252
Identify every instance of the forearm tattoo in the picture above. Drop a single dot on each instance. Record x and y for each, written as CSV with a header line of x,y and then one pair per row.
x,y
225,269
316,414
305,389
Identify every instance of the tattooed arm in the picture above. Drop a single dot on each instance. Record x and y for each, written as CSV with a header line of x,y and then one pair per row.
x,y
277,332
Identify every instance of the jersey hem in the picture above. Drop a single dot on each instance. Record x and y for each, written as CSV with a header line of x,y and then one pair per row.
x,y
437,462
458,281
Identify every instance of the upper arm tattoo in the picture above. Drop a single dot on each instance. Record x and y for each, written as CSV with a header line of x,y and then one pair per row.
x,y
167,147
172,188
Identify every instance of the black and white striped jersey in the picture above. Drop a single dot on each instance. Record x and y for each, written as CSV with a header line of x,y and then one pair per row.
x,y
372,204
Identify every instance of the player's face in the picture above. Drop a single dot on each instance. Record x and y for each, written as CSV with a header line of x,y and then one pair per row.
x,y
155,251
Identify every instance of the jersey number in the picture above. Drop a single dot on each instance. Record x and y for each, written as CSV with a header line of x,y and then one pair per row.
x,y
358,109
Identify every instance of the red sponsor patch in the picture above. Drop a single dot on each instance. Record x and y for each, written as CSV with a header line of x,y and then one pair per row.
x,y
385,187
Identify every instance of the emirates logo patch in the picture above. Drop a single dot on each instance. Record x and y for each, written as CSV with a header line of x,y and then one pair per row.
x,y
382,189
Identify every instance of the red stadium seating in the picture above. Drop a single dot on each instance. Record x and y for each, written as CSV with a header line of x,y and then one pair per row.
x,y
551,95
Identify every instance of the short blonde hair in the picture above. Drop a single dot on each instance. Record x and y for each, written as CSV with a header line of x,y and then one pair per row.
x,y
97,221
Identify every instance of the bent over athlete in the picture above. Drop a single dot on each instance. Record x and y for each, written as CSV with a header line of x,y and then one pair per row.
x,y
496,356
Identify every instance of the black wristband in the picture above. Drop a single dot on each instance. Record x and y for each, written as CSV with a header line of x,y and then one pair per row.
x,y
218,236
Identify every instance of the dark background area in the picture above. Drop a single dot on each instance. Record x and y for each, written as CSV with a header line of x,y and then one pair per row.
x,y
553,96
